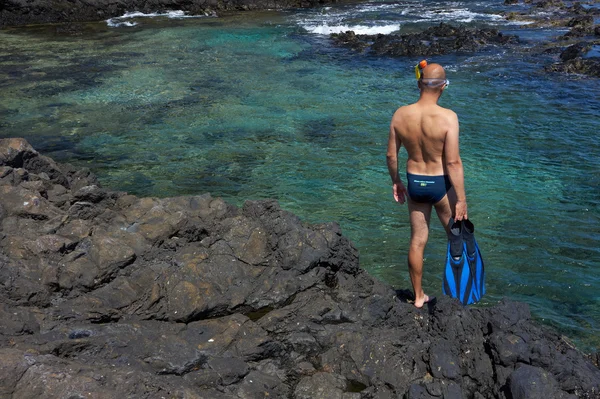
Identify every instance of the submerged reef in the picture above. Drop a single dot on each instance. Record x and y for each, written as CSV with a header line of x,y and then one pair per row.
x,y
107,295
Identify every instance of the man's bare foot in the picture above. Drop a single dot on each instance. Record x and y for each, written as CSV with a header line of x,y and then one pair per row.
x,y
419,303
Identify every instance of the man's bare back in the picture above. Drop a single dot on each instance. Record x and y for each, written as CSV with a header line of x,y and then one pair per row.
x,y
422,129
434,169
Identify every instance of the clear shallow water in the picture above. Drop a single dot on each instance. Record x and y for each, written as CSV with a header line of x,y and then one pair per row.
x,y
258,106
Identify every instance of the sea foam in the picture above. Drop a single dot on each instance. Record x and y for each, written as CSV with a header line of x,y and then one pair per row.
x,y
325,29
122,20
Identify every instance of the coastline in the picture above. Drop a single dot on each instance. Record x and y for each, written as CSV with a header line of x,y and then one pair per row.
x,y
22,12
108,294
575,50
27,322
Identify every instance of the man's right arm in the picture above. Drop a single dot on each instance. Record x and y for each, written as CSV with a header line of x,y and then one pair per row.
x,y
394,143
455,168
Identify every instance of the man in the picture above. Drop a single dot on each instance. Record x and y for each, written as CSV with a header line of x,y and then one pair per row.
x,y
434,169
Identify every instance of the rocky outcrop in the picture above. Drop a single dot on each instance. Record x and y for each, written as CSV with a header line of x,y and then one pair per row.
x,y
573,60
448,39
582,35
106,295
23,12
436,40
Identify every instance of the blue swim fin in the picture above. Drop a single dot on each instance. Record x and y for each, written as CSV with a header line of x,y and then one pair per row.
x,y
474,258
462,279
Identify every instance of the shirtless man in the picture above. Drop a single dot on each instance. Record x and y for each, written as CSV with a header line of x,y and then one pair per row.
x,y
434,169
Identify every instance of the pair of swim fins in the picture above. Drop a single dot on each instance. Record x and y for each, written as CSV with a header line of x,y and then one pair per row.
x,y
464,275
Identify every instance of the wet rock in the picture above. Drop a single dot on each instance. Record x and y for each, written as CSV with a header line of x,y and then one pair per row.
x,y
574,51
581,21
436,40
108,295
589,66
550,4
22,12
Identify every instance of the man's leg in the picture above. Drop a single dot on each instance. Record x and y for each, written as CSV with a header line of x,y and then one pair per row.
x,y
445,209
420,215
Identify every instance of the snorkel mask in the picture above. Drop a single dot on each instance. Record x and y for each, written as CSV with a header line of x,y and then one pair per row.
x,y
431,82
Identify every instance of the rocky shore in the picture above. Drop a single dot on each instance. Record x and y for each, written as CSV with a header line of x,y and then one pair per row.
x,y
26,12
573,49
442,39
107,295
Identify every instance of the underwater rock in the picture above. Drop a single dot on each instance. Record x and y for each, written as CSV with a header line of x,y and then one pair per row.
x,y
197,298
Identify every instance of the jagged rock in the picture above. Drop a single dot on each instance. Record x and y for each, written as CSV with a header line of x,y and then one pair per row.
x,y
22,12
574,51
581,21
587,66
529,382
108,295
550,4
436,40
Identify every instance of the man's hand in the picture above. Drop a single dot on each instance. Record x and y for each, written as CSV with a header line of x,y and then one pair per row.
x,y
461,211
400,193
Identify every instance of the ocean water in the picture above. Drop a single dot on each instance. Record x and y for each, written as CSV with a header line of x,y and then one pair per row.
x,y
262,105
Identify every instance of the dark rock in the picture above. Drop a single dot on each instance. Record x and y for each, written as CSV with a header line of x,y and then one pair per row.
x,y
588,66
120,296
444,364
436,40
17,321
321,386
22,12
528,382
581,21
93,194
550,4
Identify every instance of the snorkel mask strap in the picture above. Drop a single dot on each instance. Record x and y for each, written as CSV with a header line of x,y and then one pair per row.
x,y
419,68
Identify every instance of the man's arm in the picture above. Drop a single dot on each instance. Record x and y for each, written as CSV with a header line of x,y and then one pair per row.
x,y
454,167
394,145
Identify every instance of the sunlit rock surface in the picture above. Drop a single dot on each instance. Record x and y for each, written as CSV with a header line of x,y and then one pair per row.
x,y
106,295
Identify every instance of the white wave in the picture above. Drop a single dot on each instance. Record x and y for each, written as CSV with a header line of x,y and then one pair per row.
x,y
358,29
519,22
116,21
459,15
115,24
372,7
331,20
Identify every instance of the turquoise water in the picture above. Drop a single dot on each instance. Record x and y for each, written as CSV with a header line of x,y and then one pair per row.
x,y
259,106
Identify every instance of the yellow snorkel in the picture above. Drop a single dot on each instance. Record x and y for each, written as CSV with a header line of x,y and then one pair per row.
x,y
418,68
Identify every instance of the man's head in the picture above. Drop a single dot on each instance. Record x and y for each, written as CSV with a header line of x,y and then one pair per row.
x,y
433,79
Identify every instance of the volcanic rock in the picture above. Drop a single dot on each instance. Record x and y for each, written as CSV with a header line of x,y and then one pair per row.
x,y
107,295
436,40
24,12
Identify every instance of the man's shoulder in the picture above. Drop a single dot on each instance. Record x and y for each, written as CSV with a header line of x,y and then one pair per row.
x,y
404,110
448,112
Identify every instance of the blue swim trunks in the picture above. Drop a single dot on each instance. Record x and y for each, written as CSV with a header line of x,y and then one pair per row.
x,y
427,189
